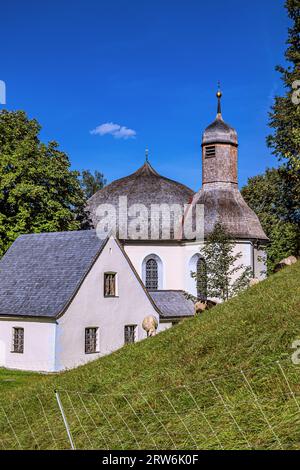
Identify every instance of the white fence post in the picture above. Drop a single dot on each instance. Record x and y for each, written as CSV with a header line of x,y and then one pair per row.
x,y
65,420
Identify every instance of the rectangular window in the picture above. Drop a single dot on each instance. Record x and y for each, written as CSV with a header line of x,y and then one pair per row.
x,y
210,151
130,334
18,340
110,285
91,341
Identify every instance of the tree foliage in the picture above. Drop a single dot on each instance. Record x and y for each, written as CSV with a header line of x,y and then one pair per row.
x,y
224,277
91,183
285,113
38,191
270,196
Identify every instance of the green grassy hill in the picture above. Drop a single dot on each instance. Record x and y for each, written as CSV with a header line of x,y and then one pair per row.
x,y
209,383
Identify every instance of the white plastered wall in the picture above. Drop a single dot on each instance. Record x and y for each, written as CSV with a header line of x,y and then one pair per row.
x,y
172,262
179,260
90,308
39,344
260,263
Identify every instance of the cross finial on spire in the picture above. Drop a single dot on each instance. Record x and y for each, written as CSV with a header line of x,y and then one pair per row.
x,y
219,96
147,154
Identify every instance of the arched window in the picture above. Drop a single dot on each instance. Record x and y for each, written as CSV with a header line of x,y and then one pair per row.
x,y
201,279
151,274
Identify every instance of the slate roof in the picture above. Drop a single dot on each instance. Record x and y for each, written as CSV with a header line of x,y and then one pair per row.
x,y
40,272
173,303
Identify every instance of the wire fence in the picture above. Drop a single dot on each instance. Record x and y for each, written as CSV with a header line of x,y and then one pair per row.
x,y
250,409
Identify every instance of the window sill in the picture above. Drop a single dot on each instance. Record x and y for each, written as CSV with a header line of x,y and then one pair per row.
x,y
89,353
111,296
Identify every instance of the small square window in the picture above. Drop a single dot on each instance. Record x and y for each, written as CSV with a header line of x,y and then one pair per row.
x,y
130,334
110,285
18,340
210,151
91,340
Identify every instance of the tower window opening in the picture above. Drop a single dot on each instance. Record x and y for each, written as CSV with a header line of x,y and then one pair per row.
x,y
210,151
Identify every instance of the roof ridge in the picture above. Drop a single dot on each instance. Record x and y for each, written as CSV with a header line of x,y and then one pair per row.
x,y
63,232
166,290
146,168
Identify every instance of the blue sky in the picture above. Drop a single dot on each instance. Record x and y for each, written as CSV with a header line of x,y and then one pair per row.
x,y
151,67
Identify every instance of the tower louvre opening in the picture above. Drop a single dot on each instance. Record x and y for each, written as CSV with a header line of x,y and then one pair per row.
x,y
210,151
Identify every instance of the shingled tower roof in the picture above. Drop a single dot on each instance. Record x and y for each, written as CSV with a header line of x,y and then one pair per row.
x,y
220,195
218,131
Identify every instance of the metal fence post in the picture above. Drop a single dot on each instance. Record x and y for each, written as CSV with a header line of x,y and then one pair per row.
x,y
64,419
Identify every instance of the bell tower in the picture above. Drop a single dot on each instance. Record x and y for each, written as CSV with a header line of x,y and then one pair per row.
x,y
219,151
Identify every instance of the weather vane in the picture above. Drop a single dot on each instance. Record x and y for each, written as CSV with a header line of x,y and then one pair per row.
x,y
219,96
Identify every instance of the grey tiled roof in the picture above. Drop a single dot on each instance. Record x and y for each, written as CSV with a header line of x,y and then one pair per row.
x,y
41,272
172,303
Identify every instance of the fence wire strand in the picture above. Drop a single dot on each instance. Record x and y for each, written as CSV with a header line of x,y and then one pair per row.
x,y
253,408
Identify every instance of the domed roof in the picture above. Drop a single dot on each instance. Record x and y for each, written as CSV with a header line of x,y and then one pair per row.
x,y
219,132
146,187
224,204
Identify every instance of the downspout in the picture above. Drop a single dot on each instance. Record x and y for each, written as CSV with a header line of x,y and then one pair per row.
x,y
253,257
253,261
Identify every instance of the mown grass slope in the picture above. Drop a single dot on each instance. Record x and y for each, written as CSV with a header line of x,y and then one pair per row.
x,y
211,382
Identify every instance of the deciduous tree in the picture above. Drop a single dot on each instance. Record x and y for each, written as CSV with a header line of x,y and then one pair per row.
x,y
270,196
91,183
285,113
38,191
224,277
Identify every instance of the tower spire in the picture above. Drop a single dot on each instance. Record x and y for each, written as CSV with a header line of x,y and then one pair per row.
x,y
147,155
219,96
219,154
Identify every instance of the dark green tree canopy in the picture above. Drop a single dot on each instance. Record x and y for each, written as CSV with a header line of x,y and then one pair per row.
x,y
38,191
91,183
285,113
270,196
221,267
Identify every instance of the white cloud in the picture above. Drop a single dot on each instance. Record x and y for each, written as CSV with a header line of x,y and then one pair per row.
x,y
117,131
